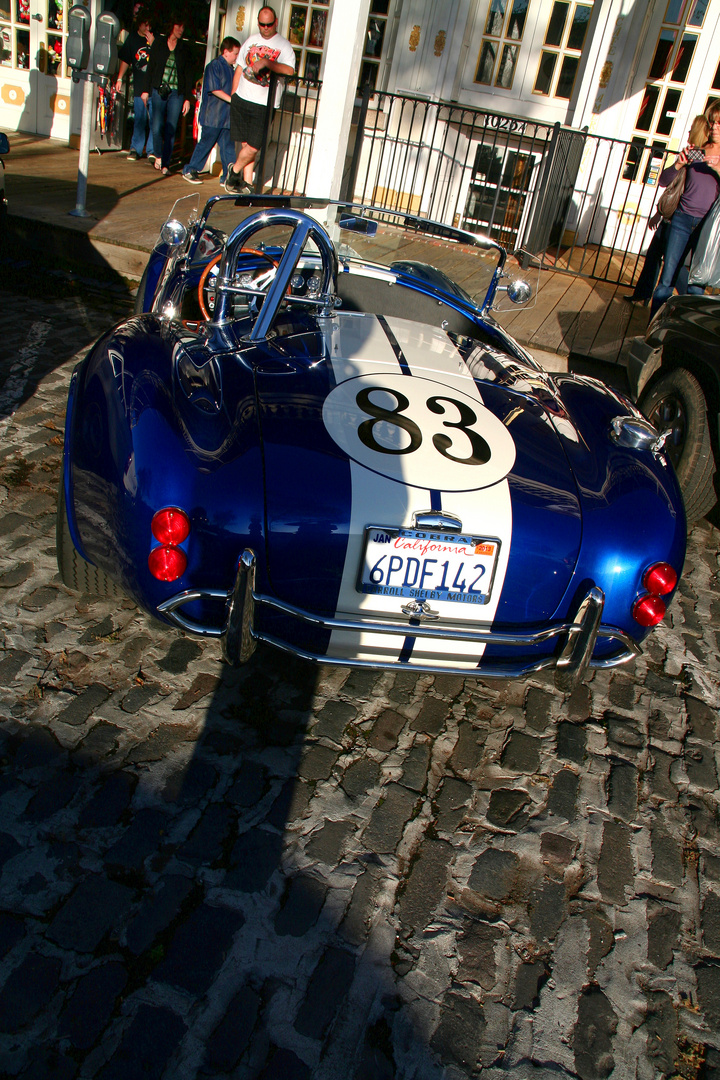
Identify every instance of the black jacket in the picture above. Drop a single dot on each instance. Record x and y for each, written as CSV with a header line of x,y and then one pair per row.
x,y
183,60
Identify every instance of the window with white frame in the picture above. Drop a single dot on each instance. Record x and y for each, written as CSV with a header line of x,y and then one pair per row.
x,y
307,25
500,45
375,39
565,38
714,89
667,75
15,47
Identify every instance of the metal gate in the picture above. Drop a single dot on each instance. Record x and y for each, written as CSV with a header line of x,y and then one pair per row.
x,y
556,196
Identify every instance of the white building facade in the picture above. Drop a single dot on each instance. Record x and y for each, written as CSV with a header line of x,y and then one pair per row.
x,y
636,69
631,73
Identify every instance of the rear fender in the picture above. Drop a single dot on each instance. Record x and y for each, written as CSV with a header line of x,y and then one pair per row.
x,y
136,444
686,331
679,353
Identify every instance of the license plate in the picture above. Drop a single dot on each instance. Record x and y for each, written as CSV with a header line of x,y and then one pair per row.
x,y
428,565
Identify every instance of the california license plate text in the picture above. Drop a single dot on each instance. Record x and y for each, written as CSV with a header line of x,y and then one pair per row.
x,y
428,566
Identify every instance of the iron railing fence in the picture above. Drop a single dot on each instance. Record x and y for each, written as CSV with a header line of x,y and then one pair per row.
x,y
284,157
450,162
592,216
559,197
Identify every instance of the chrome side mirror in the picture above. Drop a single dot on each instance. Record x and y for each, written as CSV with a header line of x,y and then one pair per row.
x,y
173,233
519,291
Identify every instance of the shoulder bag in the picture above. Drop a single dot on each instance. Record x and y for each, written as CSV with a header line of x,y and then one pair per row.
x,y
668,202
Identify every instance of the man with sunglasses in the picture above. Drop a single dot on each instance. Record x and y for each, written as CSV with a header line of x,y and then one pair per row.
x,y
262,53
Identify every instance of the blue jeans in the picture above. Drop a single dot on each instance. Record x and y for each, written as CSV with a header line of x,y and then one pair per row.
x,y
681,238
645,285
208,138
140,126
165,116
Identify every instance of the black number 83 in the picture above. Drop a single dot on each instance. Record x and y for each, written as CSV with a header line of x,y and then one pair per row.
x,y
479,449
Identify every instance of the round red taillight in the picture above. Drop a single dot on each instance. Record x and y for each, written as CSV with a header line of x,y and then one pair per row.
x,y
170,526
660,579
167,563
648,610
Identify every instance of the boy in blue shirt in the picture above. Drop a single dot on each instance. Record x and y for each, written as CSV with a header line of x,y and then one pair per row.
x,y
214,116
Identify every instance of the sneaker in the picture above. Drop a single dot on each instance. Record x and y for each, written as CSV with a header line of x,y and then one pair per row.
x,y
192,176
235,185
133,155
233,182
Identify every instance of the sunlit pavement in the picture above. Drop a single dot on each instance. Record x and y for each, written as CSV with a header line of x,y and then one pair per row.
x,y
297,872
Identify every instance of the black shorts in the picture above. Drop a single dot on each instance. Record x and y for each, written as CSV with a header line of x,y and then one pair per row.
x,y
247,122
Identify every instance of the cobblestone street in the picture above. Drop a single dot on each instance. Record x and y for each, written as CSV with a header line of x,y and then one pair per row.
x,y
292,872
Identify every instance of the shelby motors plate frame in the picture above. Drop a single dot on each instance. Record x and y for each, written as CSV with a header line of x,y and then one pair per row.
x,y
428,565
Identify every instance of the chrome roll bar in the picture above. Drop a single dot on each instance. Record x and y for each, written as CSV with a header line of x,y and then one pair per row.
x,y
304,229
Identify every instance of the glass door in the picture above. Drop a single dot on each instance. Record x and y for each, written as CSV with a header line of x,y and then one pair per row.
x,y
307,26
34,83
498,192
17,111
48,36
672,72
664,112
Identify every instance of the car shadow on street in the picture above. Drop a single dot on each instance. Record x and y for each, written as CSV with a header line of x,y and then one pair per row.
x,y
184,884
34,344
182,878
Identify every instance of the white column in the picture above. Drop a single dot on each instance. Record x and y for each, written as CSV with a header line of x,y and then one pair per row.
x,y
343,57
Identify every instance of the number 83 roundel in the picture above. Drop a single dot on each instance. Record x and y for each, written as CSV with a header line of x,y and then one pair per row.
x,y
418,432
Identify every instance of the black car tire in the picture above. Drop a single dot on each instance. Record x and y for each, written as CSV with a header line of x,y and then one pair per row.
x,y
75,572
676,400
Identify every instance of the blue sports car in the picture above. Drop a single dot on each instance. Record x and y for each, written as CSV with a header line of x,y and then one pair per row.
x,y
329,446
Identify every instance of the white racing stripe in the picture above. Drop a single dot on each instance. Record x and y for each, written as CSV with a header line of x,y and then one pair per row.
x,y
360,347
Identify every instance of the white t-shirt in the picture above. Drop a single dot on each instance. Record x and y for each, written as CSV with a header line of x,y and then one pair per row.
x,y
255,88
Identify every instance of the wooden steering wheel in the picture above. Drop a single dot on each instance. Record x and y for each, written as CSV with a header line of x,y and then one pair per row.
x,y
202,284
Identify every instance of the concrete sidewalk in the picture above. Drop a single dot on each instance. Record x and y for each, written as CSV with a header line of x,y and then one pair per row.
x,y
127,203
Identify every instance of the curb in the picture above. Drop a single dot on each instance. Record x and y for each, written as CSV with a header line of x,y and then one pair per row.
x,y
69,246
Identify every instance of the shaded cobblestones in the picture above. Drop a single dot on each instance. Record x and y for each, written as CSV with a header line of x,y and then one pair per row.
x,y
290,872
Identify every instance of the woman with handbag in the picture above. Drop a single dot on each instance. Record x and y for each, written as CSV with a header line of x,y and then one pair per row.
x,y
698,137
171,82
693,183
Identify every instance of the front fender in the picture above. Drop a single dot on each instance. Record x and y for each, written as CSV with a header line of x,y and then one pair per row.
x,y
632,507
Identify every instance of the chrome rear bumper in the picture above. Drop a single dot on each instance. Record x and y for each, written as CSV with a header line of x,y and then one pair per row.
x,y
240,633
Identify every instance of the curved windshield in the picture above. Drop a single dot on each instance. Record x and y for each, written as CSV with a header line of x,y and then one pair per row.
x,y
465,266
459,263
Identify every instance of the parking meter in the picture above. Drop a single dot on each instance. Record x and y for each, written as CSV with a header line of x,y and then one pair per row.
x,y
78,39
105,55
